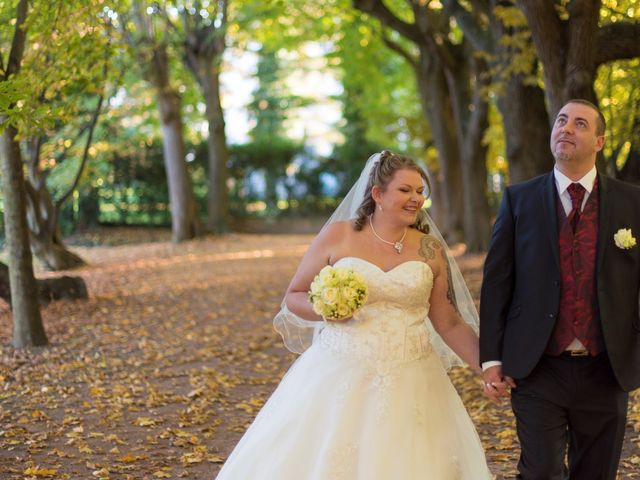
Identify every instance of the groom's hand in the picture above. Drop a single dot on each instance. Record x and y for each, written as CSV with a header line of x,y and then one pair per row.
x,y
495,384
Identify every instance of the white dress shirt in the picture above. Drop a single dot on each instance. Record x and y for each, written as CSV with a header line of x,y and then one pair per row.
x,y
562,182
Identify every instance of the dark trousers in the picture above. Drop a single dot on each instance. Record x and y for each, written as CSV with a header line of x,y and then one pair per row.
x,y
572,402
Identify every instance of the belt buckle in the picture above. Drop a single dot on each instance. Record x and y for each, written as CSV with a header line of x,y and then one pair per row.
x,y
579,353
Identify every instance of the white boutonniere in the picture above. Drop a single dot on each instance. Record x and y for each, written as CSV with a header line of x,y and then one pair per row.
x,y
624,239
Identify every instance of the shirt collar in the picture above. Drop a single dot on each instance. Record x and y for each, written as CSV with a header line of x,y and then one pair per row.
x,y
562,181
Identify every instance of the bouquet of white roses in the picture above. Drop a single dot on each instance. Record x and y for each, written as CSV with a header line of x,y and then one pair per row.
x,y
337,292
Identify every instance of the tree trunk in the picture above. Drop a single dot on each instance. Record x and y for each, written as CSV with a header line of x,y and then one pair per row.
x,y
45,236
435,195
474,115
470,113
184,221
524,112
204,46
89,208
28,329
566,48
526,130
524,115
572,48
154,61
446,95
218,154
436,107
48,289
477,228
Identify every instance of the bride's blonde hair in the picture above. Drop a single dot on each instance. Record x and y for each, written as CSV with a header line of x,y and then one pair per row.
x,y
381,174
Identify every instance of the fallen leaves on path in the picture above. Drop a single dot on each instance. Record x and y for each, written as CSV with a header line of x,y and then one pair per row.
x,y
160,372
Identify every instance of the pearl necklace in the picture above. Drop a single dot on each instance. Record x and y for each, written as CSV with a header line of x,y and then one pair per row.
x,y
397,245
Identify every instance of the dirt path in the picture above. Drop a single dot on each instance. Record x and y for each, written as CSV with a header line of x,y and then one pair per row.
x,y
160,372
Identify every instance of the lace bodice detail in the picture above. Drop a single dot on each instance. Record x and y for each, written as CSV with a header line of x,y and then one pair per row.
x,y
390,328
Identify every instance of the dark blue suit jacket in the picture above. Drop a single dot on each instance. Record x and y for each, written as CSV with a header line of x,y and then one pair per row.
x,y
521,288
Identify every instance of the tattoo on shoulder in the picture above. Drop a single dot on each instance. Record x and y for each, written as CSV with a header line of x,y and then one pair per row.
x,y
451,294
428,247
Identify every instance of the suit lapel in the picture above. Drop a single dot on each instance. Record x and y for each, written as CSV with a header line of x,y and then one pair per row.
x,y
603,217
549,201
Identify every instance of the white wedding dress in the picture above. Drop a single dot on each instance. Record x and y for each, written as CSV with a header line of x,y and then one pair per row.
x,y
369,400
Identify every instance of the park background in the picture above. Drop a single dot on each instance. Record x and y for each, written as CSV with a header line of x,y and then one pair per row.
x,y
164,162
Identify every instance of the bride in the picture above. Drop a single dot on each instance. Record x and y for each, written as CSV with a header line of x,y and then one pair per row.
x,y
369,398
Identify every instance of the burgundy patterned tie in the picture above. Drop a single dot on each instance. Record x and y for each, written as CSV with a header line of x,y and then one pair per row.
x,y
576,192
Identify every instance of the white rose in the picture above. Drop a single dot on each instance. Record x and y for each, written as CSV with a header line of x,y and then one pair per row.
x,y
348,293
315,288
329,295
318,306
325,273
343,310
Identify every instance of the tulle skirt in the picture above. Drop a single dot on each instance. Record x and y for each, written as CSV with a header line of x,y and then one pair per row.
x,y
336,418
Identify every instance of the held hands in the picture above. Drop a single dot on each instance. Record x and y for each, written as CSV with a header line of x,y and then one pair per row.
x,y
496,385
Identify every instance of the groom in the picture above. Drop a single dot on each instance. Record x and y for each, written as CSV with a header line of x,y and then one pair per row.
x,y
559,317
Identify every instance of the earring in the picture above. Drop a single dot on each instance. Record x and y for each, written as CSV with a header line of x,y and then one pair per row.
x,y
380,207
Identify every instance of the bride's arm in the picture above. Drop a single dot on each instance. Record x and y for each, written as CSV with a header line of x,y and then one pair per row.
x,y
317,256
443,312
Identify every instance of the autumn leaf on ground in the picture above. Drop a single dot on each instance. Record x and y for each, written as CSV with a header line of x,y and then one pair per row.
x,y
40,472
159,373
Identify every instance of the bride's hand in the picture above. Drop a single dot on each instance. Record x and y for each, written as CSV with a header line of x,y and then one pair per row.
x,y
495,385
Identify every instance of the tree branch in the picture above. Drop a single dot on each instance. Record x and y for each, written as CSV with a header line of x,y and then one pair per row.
x,y
224,22
549,36
170,23
617,41
379,10
35,176
61,156
85,154
582,25
215,36
480,38
19,39
190,44
396,47
482,7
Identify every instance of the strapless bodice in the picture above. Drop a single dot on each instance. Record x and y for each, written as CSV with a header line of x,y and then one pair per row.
x,y
391,325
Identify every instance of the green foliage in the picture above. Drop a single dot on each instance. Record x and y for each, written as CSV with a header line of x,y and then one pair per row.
x,y
381,84
70,40
517,54
357,56
353,153
135,189
618,89
64,55
271,101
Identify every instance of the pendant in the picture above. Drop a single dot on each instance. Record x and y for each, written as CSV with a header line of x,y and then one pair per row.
x,y
398,247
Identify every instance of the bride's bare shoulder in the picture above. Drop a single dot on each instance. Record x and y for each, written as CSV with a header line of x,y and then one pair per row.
x,y
334,238
338,230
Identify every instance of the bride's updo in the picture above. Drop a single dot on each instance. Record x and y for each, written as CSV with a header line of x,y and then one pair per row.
x,y
381,174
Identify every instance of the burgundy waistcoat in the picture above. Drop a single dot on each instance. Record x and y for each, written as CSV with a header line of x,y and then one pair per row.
x,y
578,315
